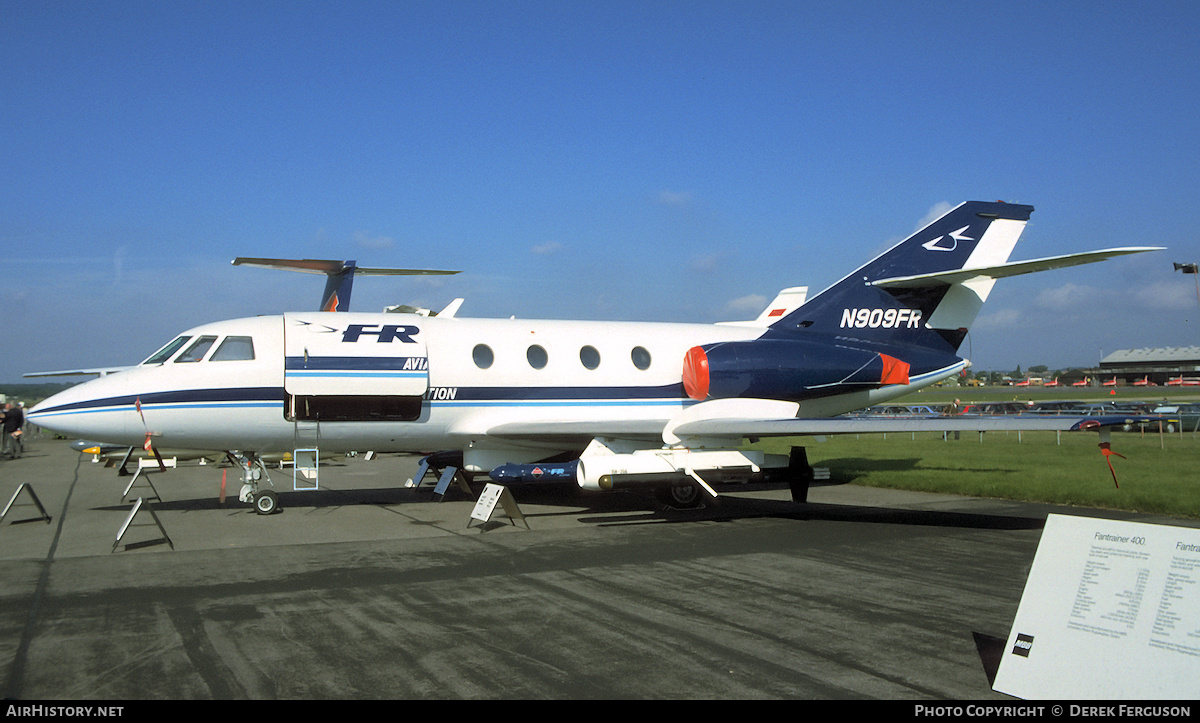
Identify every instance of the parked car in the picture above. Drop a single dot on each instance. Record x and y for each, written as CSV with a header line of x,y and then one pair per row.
x,y
1069,406
1185,417
1134,407
995,408
899,410
1116,409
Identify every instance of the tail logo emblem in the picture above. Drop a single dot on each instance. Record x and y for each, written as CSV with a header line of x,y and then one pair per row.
x,y
955,237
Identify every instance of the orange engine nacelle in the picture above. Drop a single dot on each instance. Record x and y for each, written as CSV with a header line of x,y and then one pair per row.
x,y
783,369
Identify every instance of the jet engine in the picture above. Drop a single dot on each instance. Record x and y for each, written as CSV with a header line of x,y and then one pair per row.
x,y
787,369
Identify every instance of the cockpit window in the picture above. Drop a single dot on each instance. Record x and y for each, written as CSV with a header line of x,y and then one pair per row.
x,y
197,350
234,348
165,353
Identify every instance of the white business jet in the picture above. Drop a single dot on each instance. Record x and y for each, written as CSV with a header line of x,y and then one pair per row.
x,y
606,405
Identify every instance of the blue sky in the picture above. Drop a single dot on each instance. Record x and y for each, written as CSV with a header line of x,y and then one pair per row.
x,y
674,161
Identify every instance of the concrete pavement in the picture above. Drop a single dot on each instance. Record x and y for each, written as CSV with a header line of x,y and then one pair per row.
x,y
366,590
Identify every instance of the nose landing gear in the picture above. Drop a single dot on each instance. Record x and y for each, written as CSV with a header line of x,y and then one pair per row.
x,y
266,502
253,472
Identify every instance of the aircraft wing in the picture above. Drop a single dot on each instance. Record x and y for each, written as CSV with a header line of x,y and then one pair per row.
x,y
579,432
101,371
733,426
875,425
1001,271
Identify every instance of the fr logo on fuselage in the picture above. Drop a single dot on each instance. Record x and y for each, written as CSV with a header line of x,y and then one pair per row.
x,y
383,333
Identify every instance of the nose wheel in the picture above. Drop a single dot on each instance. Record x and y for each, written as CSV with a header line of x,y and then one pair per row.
x,y
253,473
266,502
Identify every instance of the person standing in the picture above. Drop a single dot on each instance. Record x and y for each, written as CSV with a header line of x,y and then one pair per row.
x,y
14,419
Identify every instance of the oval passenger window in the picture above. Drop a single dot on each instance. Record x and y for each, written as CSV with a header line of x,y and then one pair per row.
x,y
641,357
590,357
482,354
537,357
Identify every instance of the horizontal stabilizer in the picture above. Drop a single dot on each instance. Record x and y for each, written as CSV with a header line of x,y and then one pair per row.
x,y
1016,268
330,267
339,275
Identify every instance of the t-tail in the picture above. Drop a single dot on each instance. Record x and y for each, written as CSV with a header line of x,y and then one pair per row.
x,y
897,321
918,294
340,276
927,290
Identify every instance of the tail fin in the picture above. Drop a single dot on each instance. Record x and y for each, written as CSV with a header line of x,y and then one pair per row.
x,y
917,292
338,284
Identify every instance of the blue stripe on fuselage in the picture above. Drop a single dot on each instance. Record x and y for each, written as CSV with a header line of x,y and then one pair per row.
x,y
344,363
269,396
670,395
240,396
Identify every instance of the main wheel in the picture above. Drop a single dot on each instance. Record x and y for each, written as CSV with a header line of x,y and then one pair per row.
x,y
266,502
680,495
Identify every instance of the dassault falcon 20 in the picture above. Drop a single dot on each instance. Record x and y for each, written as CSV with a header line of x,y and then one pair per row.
x,y
603,404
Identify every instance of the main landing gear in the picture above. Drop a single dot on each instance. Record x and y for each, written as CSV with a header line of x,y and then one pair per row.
x,y
688,493
253,473
681,495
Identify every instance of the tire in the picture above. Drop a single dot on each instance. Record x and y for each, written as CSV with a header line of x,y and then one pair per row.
x,y
266,502
681,495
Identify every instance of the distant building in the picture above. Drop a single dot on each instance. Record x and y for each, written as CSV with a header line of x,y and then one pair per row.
x,y
1162,366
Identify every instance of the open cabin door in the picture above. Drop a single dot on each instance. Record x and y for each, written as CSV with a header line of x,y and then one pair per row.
x,y
347,367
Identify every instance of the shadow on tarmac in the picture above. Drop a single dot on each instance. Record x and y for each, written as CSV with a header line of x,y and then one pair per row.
x,y
623,507
991,650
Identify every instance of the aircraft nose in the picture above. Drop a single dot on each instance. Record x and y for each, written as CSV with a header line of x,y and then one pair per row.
x,y
82,411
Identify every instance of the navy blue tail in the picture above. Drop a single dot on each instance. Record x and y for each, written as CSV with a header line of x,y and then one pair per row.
x,y
337,288
899,297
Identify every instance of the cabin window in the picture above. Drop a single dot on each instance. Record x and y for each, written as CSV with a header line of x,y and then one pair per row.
x,y
590,357
641,357
165,353
537,357
483,356
354,408
197,350
234,348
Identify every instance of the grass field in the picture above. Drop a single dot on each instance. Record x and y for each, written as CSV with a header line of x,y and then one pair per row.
x,y
1161,474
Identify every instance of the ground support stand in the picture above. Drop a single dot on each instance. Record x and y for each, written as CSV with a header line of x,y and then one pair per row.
x,y
33,495
137,507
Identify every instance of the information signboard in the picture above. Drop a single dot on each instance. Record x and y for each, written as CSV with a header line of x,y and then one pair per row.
x,y
1111,610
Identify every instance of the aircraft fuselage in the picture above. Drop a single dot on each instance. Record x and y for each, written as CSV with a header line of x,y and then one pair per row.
x,y
406,383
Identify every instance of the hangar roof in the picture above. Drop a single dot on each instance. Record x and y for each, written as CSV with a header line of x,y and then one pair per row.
x,y
1163,355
